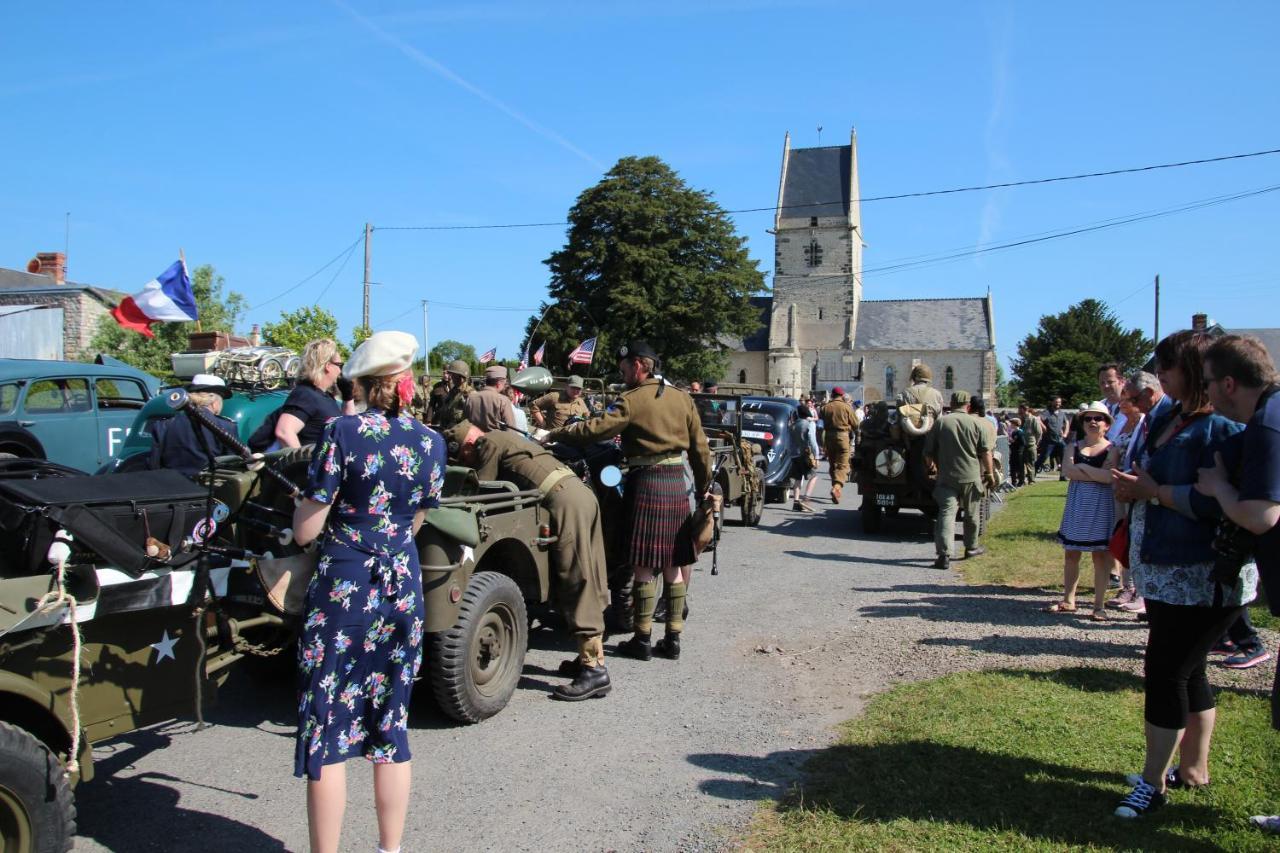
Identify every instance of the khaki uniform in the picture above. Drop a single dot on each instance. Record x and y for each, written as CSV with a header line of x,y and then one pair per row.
x,y
925,394
577,555
450,410
956,443
838,425
1032,432
651,427
558,407
489,410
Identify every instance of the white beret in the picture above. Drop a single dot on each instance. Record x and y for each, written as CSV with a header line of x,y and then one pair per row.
x,y
382,354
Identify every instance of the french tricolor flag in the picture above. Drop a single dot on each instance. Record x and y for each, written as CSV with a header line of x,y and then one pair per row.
x,y
167,298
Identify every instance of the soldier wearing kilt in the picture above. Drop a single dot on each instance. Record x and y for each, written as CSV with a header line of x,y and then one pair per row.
x,y
659,426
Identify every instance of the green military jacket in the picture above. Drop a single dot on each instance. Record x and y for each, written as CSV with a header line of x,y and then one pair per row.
x,y
955,444
650,426
450,411
926,395
558,407
511,456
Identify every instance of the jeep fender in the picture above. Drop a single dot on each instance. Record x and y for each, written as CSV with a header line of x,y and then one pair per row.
x,y
29,706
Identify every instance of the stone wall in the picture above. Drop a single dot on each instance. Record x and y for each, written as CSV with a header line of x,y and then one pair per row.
x,y
80,315
972,371
755,365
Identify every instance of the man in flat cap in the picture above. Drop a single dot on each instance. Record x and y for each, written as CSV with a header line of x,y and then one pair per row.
x,y
960,448
659,425
449,410
838,426
554,409
577,553
489,408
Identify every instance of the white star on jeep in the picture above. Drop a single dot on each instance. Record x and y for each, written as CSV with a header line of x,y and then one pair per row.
x,y
164,648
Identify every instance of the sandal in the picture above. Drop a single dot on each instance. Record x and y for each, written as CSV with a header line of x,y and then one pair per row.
x,y
1059,607
1098,616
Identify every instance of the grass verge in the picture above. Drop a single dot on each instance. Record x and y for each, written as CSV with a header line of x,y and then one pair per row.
x,y
1018,760
1023,549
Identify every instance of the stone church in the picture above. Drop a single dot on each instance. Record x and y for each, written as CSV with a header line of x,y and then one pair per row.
x,y
818,331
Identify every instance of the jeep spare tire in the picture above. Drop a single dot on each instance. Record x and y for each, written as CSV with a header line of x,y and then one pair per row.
x,y
37,812
476,664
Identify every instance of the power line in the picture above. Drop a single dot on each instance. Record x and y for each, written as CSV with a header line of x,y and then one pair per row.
x,y
894,197
351,251
289,290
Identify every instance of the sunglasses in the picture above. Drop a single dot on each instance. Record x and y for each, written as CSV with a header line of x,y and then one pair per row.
x,y
1094,419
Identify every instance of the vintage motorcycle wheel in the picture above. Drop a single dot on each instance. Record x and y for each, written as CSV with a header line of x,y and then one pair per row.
x,y
37,811
476,664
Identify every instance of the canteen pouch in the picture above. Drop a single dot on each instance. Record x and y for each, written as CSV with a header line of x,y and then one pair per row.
x,y
456,523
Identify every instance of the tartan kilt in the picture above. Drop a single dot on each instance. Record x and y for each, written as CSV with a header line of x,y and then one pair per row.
x,y
658,502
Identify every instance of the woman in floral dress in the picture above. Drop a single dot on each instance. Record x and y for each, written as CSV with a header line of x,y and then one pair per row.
x,y
372,477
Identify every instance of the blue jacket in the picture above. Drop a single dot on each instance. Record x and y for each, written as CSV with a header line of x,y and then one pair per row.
x,y
1184,535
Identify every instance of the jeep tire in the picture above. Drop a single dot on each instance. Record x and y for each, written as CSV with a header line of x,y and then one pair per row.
x,y
872,515
476,664
37,812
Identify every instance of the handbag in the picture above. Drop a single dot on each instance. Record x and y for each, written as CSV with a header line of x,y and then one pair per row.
x,y
1118,545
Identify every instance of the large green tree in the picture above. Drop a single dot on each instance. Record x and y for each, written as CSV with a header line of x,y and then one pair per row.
x,y
1061,357
648,257
295,329
450,350
217,313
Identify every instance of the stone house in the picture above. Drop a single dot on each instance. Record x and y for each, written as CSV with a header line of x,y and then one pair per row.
x,y
817,329
42,315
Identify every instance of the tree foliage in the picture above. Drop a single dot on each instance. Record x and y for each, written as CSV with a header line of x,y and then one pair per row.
x,y
450,350
648,257
1061,357
358,335
217,314
297,328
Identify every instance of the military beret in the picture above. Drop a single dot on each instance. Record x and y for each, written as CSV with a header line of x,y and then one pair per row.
x,y
497,371
459,367
575,381
959,398
637,349
837,391
382,354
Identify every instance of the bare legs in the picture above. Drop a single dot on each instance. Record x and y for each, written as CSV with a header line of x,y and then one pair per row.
x,y
1071,579
327,801
1102,562
671,574
1195,739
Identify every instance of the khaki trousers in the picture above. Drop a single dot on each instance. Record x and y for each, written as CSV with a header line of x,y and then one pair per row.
x,y
837,448
964,496
577,557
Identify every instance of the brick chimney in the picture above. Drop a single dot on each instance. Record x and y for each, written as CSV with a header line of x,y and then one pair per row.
x,y
52,264
1199,322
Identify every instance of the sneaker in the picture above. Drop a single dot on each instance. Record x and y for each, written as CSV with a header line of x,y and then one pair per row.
x,y
1267,822
1137,605
1223,647
1142,799
1122,599
1247,657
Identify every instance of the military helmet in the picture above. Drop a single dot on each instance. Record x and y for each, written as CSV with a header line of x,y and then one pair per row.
x,y
460,367
455,436
921,373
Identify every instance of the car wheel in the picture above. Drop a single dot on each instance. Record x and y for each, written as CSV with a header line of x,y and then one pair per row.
x,y
891,511
272,373
872,516
37,812
476,664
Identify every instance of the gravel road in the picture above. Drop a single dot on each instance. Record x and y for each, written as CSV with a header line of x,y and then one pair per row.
x,y
807,618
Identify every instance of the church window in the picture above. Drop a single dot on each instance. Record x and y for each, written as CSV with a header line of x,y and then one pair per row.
x,y
888,381
813,222
742,377
949,377
813,254
819,313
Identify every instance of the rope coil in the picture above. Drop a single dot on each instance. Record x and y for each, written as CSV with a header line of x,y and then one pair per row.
x,y
58,597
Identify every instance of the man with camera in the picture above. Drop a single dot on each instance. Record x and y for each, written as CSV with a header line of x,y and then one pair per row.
x,y
1242,385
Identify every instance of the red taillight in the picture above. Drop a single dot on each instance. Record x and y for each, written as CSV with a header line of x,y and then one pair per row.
x,y
768,436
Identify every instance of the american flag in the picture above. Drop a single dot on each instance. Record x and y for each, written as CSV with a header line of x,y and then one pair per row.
x,y
584,352
524,362
537,356
489,356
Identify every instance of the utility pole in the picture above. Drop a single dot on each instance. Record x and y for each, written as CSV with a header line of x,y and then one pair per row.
x,y
426,346
368,259
1157,337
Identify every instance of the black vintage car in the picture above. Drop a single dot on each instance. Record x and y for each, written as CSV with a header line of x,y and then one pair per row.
x,y
772,424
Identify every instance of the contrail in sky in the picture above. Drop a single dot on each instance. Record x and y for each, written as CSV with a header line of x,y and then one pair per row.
x,y
435,66
997,162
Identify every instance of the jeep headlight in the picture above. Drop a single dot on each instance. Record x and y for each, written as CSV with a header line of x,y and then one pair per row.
x,y
889,463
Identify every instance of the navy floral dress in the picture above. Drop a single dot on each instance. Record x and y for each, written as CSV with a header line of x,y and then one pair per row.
x,y
361,643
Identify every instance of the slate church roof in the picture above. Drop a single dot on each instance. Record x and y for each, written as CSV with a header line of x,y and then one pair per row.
x,y
814,177
923,324
757,341
1270,339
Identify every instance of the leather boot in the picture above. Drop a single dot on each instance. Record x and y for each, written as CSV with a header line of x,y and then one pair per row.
x,y
638,647
592,683
836,491
668,647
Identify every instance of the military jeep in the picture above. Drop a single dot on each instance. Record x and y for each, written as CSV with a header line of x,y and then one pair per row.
x,y
889,466
739,463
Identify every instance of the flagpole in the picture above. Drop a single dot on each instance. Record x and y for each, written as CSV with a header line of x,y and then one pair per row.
x,y
183,258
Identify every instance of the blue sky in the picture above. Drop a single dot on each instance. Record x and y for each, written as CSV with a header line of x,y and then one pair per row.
x,y
261,137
